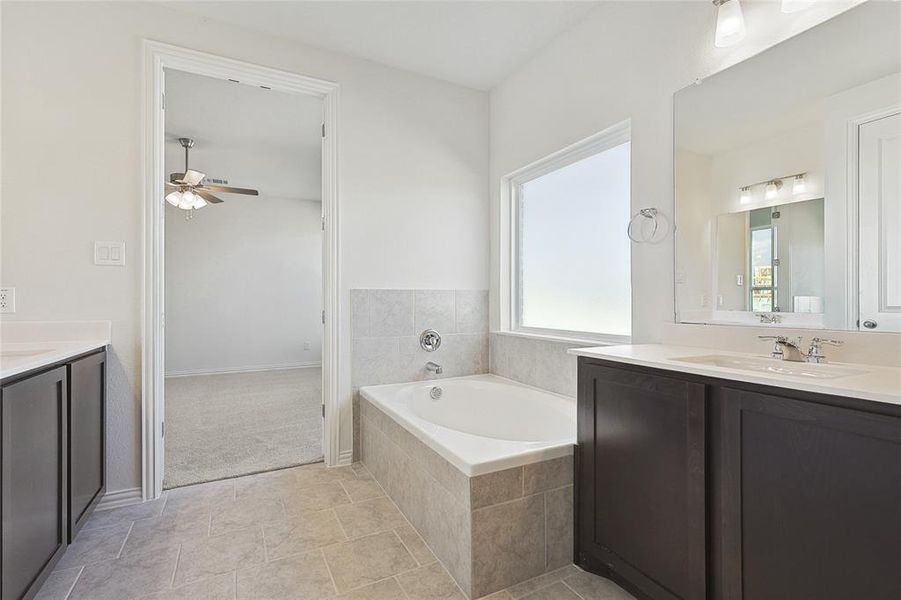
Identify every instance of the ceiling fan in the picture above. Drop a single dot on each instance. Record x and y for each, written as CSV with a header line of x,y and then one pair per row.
x,y
190,192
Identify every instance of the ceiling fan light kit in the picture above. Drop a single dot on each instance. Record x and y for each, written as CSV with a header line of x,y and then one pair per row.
x,y
190,192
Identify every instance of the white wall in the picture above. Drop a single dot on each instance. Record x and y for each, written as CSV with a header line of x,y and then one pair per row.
x,y
243,286
625,61
412,172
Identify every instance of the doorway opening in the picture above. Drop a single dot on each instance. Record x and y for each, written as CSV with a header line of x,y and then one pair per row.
x,y
241,270
243,280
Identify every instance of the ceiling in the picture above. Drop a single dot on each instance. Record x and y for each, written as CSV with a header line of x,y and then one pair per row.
x,y
252,137
470,43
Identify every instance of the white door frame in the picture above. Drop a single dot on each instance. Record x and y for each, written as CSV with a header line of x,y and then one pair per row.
x,y
159,56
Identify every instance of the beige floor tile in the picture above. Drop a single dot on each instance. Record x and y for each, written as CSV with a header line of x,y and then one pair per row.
x,y
302,533
202,495
386,589
126,577
368,559
316,497
243,513
591,587
301,577
58,585
94,545
527,587
430,583
267,486
555,591
204,558
126,514
369,516
220,587
362,488
415,545
167,531
318,473
501,595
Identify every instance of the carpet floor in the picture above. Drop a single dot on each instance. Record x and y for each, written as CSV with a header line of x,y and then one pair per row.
x,y
232,424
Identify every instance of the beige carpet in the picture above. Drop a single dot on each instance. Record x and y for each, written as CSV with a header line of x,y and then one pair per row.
x,y
220,426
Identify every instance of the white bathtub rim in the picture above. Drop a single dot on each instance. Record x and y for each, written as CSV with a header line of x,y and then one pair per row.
x,y
419,428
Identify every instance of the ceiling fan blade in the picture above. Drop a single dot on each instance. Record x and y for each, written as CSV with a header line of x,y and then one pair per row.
x,y
177,177
208,197
230,190
172,185
193,177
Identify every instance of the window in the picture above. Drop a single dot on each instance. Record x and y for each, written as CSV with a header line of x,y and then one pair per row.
x,y
570,271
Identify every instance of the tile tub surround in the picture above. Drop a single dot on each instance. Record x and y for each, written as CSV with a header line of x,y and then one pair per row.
x,y
491,531
386,325
542,363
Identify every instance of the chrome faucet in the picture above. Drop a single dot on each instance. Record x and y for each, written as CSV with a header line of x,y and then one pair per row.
x,y
784,349
434,368
815,352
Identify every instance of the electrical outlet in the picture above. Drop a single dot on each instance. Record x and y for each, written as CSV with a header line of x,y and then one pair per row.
x,y
7,300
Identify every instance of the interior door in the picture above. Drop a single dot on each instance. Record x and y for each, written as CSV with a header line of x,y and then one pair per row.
x,y
879,197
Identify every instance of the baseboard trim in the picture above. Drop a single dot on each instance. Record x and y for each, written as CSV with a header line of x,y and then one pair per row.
x,y
345,457
249,369
120,498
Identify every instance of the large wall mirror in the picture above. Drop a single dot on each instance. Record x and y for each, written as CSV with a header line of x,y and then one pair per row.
x,y
788,182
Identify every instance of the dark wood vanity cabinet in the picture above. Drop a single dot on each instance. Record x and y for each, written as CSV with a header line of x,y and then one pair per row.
x,y
34,520
692,487
52,451
87,446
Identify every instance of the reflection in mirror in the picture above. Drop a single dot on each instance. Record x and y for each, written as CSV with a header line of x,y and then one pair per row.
x,y
787,182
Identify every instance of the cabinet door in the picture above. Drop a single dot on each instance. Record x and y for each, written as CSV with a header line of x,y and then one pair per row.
x,y
34,480
640,506
87,448
811,500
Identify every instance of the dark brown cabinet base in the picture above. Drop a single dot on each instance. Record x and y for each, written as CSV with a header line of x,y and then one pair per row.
x,y
52,451
698,488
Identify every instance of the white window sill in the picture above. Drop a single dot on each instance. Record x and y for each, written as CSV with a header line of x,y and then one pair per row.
x,y
582,341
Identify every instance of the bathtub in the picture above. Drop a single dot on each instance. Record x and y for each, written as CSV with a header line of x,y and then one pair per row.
x,y
482,423
483,471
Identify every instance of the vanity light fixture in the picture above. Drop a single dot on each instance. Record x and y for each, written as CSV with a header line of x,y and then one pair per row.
x,y
745,195
730,23
799,185
791,6
771,191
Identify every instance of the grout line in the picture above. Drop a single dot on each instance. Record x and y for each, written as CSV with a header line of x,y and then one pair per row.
x,y
175,570
235,581
263,540
407,548
127,535
72,587
340,525
545,529
569,587
328,569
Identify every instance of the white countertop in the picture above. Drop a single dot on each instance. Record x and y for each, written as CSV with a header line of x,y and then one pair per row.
x,y
27,345
880,384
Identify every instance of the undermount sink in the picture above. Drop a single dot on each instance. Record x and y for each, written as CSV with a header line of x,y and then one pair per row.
x,y
776,367
23,353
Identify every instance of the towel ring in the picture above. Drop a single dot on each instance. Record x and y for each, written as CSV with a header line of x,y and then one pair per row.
x,y
658,224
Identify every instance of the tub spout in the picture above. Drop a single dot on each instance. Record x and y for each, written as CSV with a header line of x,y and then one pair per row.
x,y
434,368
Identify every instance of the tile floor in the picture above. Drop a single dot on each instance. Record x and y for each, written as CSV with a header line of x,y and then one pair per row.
x,y
302,533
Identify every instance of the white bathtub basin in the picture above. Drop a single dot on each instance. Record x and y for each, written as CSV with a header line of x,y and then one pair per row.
x,y
481,423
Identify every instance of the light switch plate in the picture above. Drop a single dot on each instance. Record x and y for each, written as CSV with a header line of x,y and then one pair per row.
x,y
110,254
7,300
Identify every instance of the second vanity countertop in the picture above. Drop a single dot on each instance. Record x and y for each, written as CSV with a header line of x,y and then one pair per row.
x,y
879,384
28,345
